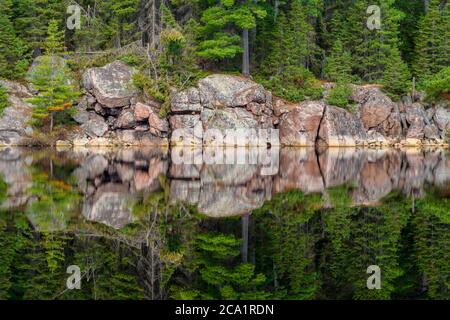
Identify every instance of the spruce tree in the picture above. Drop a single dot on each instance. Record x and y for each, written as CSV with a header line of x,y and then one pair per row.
x,y
13,52
397,78
338,65
32,17
369,48
54,43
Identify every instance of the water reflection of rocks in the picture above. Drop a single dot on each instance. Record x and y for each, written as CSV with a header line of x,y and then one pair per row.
x,y
110,180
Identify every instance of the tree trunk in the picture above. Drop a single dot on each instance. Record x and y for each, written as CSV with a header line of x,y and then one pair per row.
x,y
245,220
51,121
246,54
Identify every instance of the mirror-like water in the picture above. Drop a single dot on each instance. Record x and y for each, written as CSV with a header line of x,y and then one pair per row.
x,y
224,223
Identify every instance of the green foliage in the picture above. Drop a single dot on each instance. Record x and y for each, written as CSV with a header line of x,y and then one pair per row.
x,y
217,40
338,66
54,43
340,95
14,57
32,17
55,202
437,87
396,78
432,44
3,99
369,49
294,84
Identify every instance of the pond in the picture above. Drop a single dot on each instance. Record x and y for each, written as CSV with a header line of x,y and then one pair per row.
x,y
230,223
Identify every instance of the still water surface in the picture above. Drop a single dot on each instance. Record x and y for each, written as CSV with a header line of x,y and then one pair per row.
x,y
216,224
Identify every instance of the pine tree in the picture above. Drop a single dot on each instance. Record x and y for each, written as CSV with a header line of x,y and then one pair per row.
x,y
217,42
432,42
51,78
54,43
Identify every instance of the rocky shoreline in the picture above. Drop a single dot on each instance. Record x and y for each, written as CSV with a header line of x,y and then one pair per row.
x,y
113,113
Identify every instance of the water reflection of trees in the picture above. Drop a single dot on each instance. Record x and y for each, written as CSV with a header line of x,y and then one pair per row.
x,y
299,247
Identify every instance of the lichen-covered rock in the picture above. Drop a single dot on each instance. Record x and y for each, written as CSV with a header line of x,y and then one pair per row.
x,y
300,126
186,101
416,118
139,138
340,128
431,132
158,127
142,111
220,91
126,120
14,120
377,110
281,106
442,119
111,85
230,126
186,130
95,126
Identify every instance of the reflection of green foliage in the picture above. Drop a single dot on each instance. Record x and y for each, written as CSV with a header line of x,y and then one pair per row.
x,y
3,190
291,240
431,244
219,273
107,271
55,202
6,256
220,246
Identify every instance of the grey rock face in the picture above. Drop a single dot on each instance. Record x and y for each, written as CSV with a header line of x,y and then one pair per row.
x,y
300,126
14,121
340,128
139,138
111,84
126,120
442,119
186,130
95,127
377,110
185,101
220,91
416,118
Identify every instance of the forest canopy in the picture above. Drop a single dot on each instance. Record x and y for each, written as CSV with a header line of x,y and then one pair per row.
x,y
284,44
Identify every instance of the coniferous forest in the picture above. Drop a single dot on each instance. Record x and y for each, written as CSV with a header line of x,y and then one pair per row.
x,y
286,45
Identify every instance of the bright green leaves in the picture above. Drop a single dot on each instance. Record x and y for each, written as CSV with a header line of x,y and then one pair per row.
x,y
54,43
438,87
228,3
51,77
220,47
3,100
220,26
243,18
